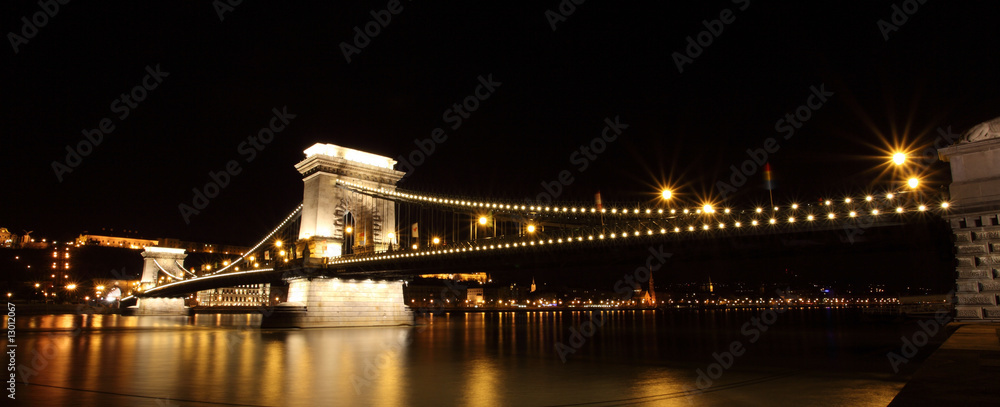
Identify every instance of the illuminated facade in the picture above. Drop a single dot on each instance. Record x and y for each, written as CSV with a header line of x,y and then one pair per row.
x,y
7,239
115,241
250,295
478,277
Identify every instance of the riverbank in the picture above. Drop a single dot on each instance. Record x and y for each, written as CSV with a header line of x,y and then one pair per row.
x,y
964,371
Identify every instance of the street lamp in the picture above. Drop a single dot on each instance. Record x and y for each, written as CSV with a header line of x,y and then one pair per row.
x,y
531,228
436,240
483,220
666,194
913,183
899,158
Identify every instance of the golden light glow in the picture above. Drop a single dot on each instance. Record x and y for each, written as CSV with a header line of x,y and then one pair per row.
x,y
667,194
899,158
531,228
913,183
945,205
436,240
483,220
71,287
277,243
708,208
348,229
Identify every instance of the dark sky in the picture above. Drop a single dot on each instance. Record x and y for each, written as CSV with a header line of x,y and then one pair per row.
x,y
607,59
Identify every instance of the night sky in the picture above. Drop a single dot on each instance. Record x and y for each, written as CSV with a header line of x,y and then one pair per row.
x,y
221,78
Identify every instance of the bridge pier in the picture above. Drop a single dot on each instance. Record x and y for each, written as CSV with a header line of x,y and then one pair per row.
x,y
975,219
335,302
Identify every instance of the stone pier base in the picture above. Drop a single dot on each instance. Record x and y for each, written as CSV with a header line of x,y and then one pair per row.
x,y
159,306
977,241
334,302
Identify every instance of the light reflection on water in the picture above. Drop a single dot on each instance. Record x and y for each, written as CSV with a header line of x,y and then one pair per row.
x,y
812,357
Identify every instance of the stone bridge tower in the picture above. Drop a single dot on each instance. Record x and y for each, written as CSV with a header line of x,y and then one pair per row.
x,y
975,199
335,220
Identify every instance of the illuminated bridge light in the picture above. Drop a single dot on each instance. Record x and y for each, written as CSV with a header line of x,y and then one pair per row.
x,y
612,235
791,219
738,224
759,210
649,232
874,211
673,211
889,196
686,211
773,221
853,214
601,236
810,218
660,211
831,215
636,211
847,200
795,206
754,223
869,198
614,210
704,227
922,208
691,228
945,205
722,226
637,233
662,231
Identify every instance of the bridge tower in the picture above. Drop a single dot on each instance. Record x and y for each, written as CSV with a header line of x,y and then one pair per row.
x,y
975,202
157,260
337,221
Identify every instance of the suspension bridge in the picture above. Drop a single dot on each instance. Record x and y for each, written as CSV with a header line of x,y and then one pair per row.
x,y
346,248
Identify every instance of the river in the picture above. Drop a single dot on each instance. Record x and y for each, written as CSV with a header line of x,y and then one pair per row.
x,y
816,357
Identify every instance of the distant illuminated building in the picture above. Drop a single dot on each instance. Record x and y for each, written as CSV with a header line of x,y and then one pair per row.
x,y
7,239
250,295
475,295
479,277
115,241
